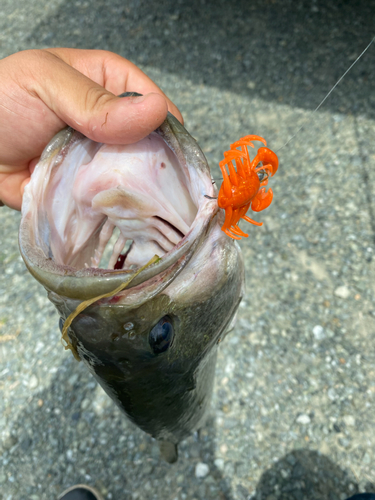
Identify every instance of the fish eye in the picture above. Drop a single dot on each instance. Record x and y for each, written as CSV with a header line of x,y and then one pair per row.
x,y
262,175
161,336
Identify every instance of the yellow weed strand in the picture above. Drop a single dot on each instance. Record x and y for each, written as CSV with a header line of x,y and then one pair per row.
x,y
86,303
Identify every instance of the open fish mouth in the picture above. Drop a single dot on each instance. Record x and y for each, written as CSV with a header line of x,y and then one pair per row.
x,y
139,189
93,209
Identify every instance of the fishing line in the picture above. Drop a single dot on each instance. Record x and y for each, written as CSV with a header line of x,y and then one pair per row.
x,y
310,118
326,97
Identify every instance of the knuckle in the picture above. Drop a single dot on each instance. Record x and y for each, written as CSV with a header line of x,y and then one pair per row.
x,y
96,99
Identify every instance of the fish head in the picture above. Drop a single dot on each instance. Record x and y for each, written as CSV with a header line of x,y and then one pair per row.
x,y
150,337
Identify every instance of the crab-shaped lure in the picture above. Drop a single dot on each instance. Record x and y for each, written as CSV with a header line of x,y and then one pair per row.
x,y
245,187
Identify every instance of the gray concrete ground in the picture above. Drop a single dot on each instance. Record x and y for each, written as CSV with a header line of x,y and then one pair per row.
x,y
293,410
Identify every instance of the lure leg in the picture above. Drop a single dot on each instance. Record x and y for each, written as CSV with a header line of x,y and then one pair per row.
x,y
226,182
228,222
228,218
237,230
235,217
240,168
267,167
243,210
237,214
233,174
247,219
241,215
228,233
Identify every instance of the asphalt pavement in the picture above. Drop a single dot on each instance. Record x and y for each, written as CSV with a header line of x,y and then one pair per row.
x,y
293,412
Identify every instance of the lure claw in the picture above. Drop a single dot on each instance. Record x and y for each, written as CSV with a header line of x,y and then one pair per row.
x,y
262,200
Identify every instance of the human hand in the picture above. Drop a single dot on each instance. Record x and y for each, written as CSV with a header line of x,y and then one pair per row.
x,y
42,91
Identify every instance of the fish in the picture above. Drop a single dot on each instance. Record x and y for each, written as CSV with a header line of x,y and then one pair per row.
x,y
130,251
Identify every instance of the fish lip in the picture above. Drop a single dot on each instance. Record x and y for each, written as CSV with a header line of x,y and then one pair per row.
x,y
83,284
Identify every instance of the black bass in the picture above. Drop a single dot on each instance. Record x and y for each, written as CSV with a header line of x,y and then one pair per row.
x,y
93,218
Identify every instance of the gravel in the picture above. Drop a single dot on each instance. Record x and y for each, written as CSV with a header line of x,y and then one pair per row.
x,y
201,470
293,409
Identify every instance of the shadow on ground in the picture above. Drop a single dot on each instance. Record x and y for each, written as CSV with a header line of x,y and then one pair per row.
x,y
90,441
306,475
283,51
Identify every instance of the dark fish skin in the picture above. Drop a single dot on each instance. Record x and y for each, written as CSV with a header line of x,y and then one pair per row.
x,y
166,394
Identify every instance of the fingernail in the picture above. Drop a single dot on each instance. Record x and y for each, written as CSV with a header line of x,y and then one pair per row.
x,y
138,99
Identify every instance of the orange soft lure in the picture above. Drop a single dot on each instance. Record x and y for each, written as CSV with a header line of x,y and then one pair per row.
x,y
245,187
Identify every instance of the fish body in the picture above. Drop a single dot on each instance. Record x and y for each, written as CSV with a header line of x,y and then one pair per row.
x,y
152,346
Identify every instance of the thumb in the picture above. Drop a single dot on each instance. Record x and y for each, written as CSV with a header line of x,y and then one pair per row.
x,y
88,107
